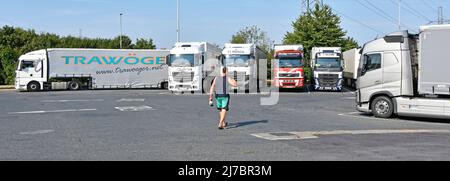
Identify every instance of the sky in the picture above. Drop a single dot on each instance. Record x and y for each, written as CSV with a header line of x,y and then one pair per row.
x,y
213,21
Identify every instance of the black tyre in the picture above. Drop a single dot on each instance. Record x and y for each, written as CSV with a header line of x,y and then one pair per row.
x,y
74,85
34,87
382,107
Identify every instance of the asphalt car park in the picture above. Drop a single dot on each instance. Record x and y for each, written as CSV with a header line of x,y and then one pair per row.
x,y
158,125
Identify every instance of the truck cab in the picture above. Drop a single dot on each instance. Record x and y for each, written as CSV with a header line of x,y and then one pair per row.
x,y
328,66
288,67
187,70
30,73
406,74
242,63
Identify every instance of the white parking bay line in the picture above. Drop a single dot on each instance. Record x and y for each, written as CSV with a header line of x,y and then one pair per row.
x,y
37,132
62,101
360,115
135,108
316,134
131,100
53,111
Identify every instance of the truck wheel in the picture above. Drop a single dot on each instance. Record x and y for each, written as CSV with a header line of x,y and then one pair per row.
x,y
34,87
74,85
382,107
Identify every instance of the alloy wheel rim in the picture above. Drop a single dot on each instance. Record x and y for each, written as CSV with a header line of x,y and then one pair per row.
x,y
382,107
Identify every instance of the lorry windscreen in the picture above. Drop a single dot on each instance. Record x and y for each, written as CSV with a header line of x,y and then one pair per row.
x,y
328,63
184,60
290,63
237,60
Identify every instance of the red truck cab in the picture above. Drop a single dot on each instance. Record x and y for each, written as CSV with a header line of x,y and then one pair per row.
x,y
288,67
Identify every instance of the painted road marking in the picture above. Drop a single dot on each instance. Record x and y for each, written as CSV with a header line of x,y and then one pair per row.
x,y
53,111
135,108
316,134
131,100
62,101
361,115
37,132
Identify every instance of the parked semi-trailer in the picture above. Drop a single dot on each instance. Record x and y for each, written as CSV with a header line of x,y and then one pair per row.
x,y
351,65
191,65
327,65
406,74
242,61
74,69
288,67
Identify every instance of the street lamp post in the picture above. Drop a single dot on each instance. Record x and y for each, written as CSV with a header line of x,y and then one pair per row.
x,y
178,20
399,14
121,31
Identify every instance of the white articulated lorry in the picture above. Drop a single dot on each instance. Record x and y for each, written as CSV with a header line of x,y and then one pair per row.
x,y
191,65
74,69
406,74
327,65
351,65
242,61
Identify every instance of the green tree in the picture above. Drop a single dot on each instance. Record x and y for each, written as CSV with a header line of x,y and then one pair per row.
x,y
2,74
8,61
144,44
319,28
252,34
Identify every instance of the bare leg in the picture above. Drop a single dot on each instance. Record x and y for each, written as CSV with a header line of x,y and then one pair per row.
x,y
223,116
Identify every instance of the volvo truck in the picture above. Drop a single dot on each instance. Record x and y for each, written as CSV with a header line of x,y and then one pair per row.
x,y
351,65
242,61
75,69
327,65
406,74
191,65
288,67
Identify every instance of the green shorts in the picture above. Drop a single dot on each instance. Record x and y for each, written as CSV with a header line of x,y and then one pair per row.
x,y
223,102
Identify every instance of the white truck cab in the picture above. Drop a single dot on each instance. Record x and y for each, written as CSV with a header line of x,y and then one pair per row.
x,y
190,63
406,74
242,61
328,68
31,71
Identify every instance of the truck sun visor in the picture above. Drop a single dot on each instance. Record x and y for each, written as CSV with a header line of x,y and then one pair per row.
x,y
394,39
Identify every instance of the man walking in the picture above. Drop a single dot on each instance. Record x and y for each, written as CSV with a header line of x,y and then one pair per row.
x,y
220,87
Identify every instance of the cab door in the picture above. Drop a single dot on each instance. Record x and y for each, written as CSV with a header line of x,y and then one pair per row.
x,y
30,70
371,75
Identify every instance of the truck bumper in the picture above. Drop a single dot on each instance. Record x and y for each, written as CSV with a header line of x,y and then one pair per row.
x,y
336,87
363,107
184,88
289,83
20,87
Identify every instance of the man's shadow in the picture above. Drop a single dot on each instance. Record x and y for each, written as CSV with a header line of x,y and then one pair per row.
x,y
245,123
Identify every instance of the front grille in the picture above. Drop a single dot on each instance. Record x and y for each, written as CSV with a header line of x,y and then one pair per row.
x,y
183,76
289,75
328,80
